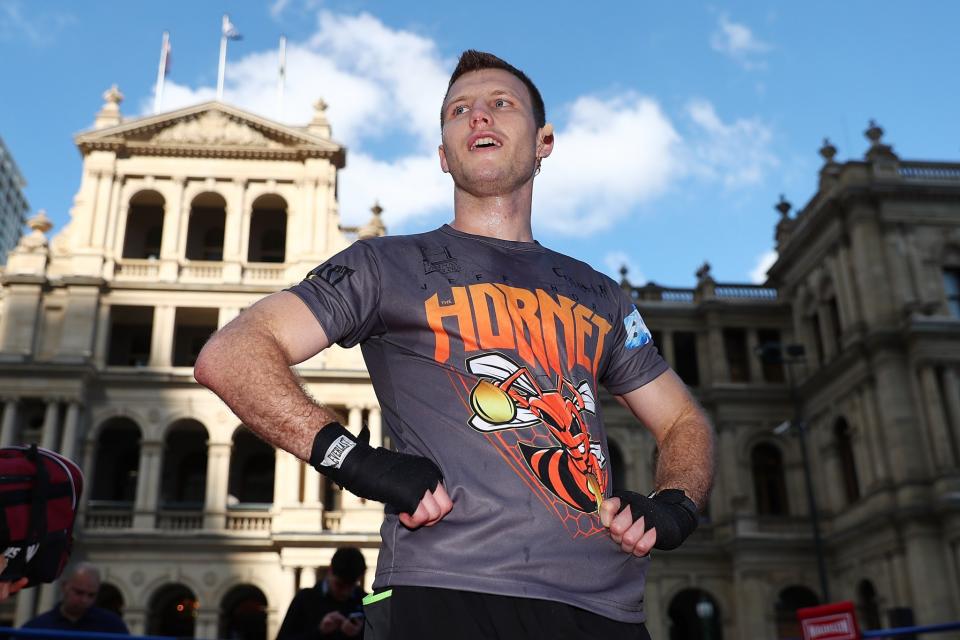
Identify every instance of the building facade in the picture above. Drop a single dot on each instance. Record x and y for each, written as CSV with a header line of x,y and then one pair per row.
x,y
184,219
13,204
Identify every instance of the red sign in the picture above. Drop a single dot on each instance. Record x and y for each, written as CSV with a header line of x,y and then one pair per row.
x,y
835,621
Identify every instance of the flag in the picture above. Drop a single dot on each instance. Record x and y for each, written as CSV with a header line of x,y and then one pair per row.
x,y
166,57
229,31
283,57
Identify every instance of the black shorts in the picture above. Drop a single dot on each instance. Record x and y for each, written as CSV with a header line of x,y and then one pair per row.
x,y
426,613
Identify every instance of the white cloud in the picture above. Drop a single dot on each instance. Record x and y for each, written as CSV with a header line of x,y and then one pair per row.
x,y
384,86
40,29
759,273
612,155
738,42
614,261
737,154
277,7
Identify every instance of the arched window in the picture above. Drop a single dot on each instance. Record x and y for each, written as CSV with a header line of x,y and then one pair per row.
x,y
251,469
769,484
694,615
243,614
144,228
116,465
791,599
173,612
184,466
618,469
110,598
868,606
268,230
208,217
848,464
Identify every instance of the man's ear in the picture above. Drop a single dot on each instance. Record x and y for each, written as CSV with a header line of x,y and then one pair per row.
x,y
545,140
443,160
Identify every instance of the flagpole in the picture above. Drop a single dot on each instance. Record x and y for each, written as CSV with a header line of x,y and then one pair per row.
x,y
161,72
223,58
283,76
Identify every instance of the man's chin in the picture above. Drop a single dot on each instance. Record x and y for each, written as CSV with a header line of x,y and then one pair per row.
x,y
488,184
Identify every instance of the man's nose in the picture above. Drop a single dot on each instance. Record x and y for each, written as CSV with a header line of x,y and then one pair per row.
x,y
479,115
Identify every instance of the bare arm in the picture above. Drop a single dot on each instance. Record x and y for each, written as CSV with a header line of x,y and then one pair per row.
x,y
683,433
247,363
686,459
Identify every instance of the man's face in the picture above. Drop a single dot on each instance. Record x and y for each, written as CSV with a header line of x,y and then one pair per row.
x,y
79,594
489,134
340,589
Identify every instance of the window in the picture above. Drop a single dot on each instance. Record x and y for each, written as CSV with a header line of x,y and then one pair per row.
x,y
268,230
685,357
769,484
791,599
131,329
144,226
184,477
251,469
848,466
208,215
117,464
735,348
951,286
192,328
772,360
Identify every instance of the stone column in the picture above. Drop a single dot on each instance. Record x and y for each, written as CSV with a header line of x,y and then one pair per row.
x,y
719,371
933,599
71,428
847,294
148,485
238,219
308,577
951,393
218,477
667,351
206,625
755,364
355,419
161,340
50,435
49,594
374,422
286,476
174,218
26,606
730,472
8,427
311,485
879,450
751,604
936,419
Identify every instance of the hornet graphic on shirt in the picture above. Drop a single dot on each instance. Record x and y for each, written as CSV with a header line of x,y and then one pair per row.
x,y
507,396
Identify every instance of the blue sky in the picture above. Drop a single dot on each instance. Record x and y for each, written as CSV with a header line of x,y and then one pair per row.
x,y
678,124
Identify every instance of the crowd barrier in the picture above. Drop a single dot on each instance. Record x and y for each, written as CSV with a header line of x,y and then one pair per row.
x,y
57,634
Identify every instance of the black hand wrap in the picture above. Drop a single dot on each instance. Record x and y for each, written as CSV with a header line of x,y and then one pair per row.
x,y
669,511
396,479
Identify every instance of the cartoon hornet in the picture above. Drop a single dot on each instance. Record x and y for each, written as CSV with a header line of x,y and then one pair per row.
x,y
574,471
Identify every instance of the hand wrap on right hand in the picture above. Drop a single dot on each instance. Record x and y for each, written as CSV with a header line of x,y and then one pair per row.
x,y
396,479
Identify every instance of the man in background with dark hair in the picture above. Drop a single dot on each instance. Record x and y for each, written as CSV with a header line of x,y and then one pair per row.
x,y
332,609
486,351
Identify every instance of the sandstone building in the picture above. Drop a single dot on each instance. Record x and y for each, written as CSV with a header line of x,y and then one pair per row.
x,y
185,218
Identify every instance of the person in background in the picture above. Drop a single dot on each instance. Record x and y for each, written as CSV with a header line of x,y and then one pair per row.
x,y
331,610
76,611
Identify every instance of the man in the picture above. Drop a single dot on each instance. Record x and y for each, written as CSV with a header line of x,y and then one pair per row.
x,y
331,610
76,612
485,350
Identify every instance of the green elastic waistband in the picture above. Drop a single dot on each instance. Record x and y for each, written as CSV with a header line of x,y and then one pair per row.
x,y
377,597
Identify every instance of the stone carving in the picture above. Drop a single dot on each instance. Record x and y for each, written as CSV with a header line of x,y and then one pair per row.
x,y
214,128
36,240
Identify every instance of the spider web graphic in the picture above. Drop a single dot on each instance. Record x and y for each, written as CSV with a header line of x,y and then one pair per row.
x,y
577,523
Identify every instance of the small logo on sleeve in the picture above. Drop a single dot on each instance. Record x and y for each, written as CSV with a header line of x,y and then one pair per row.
x,y
333,274
337,452
637,332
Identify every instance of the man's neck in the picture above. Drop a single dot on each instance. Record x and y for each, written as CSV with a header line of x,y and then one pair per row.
x,y
505,217
68,616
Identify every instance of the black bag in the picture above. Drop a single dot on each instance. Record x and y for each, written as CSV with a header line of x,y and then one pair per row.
x,y
39,495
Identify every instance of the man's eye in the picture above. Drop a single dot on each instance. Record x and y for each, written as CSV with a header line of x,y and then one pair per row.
x,y
459,109
500,102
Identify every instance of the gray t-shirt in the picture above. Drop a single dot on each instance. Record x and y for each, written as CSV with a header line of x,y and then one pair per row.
x,y
485,357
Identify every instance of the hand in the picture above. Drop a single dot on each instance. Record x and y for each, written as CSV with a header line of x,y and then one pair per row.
x,y
630,534
433,506
351,627
7,589
669,513
331,622
396,479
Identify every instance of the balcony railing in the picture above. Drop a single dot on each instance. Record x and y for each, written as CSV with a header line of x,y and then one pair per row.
x,y
249,517
331,520
102,515
134,269
264,273
169,520
202,271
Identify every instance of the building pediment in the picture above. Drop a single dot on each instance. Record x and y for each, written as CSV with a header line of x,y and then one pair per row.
x,y
212,129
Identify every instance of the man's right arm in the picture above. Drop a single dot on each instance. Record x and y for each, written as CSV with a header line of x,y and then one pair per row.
x,y
247,363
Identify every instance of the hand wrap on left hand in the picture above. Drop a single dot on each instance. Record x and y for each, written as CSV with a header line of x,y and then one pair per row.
x,y
669,511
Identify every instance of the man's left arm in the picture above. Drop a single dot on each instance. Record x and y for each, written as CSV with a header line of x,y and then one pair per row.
x,y
684,473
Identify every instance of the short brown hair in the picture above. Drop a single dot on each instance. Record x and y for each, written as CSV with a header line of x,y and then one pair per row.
x,y
472,60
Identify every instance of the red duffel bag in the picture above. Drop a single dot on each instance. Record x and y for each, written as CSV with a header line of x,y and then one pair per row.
x,y
39,495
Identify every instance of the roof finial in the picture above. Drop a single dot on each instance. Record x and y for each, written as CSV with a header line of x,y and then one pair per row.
x,y
375,227
828,151
783,206
109,113
874,133
320,125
